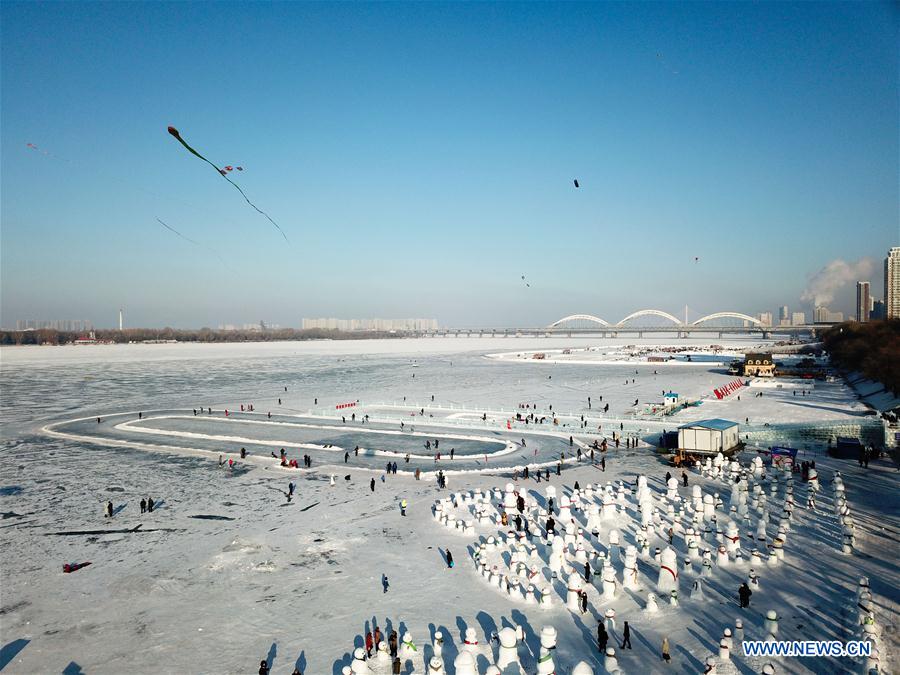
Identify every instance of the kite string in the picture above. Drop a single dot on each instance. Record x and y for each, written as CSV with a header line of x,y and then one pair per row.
x,y
138,188
174,132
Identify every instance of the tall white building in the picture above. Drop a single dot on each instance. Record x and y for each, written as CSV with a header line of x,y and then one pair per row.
x,y
798,318
783,314
892,284
765,318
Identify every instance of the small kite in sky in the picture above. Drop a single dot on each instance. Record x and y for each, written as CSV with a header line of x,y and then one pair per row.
x,y
576,183
40,150
174,132
229,168
696,260
665,64
526,283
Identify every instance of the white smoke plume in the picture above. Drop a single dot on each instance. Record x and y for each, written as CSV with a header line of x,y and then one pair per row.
x,y
822,286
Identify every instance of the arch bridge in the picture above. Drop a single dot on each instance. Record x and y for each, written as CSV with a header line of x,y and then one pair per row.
x,y
589,318
676,322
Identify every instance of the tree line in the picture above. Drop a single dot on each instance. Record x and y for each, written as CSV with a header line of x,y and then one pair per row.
x,y
46,336
872,349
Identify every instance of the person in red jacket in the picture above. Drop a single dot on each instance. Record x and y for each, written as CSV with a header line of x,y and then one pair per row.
x,y
369,643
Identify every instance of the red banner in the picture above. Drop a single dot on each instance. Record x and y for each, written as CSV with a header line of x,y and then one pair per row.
x,y
728,389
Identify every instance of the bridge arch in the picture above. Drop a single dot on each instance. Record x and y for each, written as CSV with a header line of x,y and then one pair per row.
x,y
730,315
579,317
651,312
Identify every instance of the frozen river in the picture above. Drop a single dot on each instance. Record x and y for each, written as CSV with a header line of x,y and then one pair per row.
x,y
226,570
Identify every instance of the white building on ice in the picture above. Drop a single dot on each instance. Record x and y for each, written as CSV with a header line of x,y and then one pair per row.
x,y
708,436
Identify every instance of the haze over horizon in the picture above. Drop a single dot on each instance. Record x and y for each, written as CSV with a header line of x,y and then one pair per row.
x,y
421,158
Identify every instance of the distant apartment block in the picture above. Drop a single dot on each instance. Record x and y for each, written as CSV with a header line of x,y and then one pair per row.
x,y
371,324
261,326
798,318
825,315
892,284
765,318
68,325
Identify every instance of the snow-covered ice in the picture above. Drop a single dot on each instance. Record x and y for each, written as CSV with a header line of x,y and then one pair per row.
x,y
226,571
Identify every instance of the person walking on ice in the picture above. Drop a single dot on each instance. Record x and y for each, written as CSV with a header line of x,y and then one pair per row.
x,y
402,507
626,637
449,559
665,651
602,637
744,593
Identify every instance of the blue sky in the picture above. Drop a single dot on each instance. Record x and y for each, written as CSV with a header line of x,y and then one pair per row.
x,y
420,158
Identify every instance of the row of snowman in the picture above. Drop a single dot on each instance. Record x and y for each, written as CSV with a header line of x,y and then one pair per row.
x,y
843,514
466,661
866,628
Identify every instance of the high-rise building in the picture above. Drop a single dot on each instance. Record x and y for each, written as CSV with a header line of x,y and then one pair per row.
x,y
892,284
863,301
877,313
798,318
783,314
765,318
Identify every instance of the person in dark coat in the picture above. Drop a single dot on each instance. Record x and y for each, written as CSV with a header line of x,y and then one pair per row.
x,y
626,637
602,637
109,509
143,506
392,643
263,668
150,504
744,593
449,558
372,485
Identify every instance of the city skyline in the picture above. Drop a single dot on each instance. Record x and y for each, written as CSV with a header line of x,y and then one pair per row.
x,y
830,280
785,316
421,159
